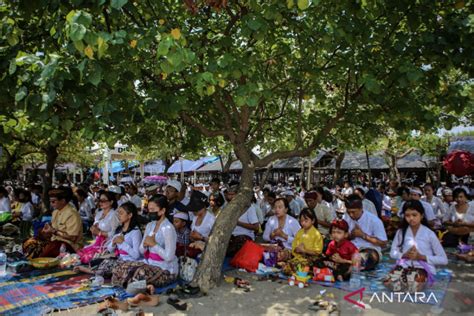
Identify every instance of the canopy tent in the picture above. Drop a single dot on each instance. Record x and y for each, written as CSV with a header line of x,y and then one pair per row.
x,y
155,180
186,165
119,166
462,143
153,167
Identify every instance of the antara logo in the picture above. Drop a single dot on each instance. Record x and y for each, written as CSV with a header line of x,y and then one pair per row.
x,y
397,297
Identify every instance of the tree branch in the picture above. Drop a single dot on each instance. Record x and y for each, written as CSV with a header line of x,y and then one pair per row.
x,y
204,130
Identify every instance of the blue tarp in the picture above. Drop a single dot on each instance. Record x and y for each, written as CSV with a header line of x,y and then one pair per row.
x,y
190,165
118,166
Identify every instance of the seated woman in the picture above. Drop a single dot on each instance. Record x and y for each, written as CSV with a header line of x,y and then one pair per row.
x,y
281,228
417,250
338,256
160,266
202,223
65,228
105,224
308,242
216,201
125,243
459,220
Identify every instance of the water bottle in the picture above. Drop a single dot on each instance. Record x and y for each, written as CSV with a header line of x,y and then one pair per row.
x,y
355,281
3,264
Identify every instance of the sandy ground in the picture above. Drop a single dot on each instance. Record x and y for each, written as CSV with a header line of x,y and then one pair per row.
x,y
277,298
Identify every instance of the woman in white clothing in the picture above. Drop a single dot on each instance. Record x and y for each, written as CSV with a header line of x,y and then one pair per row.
x,y
160,264
125,243
459,220
105,224
202,223
281,228
417,251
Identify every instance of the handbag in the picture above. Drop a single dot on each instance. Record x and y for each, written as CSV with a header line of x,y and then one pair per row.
x,y
187,268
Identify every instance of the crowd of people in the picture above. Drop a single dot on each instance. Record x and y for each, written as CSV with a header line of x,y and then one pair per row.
x,y
139,233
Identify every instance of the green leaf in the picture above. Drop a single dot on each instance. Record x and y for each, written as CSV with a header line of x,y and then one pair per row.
x,y
21,94
77,32
81,67
166,67
163,47
79,45
12,39
67,125
83,18
254,24
303,4
118,4
12,68
70,15
252,100
95,77
102,47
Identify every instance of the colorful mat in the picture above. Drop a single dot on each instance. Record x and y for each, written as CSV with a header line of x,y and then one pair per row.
x,y
43,292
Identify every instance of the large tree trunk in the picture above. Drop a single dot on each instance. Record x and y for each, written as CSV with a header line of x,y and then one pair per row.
x,y
337,169
209,271
302,173
51,156
265,175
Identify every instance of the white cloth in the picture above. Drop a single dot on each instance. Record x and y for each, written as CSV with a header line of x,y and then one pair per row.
x,y
295,208
453,215
137,201
85,211
27,212
429,213
367,205
206,225
427,244
438,206
386,203
131,245
165,248
5,206
324,213
370,225
290,229
107,224
90,200
249,217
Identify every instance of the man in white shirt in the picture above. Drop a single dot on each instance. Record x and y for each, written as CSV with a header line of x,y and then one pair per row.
x,y
246,228
134,198
366,231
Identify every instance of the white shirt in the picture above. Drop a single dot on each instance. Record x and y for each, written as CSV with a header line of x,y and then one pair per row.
x,y
131,245
249,217
453,215
5,206
165,248
427,244
386,203
367,205
429,213
107,224
90,201
206,225
85,210
370,225
137,201
324,213
27,212
300,201
437,204
290,229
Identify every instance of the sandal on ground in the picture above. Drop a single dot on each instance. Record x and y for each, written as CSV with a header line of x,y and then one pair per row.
x,y
174,301
112,303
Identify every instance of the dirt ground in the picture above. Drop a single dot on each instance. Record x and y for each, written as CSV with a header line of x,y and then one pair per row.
x,y
277,298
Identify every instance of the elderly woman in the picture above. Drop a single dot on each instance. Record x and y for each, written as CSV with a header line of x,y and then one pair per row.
x,y
106,222
65,229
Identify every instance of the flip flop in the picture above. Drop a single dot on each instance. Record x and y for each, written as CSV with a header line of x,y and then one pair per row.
x,y
174,301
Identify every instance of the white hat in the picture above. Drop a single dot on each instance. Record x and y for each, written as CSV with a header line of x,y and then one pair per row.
x,y
181,215
175,184
288,193
416,191
115,189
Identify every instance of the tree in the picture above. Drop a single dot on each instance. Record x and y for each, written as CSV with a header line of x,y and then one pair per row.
x,y
270,75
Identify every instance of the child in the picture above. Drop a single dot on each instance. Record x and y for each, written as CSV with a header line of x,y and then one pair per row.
x,y
417,250
340,250
180,223
307,244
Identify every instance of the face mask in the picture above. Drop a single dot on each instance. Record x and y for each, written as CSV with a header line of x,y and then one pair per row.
x,y
153,216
